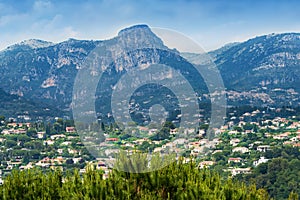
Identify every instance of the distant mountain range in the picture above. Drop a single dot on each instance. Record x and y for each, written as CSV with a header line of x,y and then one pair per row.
x,y
261,71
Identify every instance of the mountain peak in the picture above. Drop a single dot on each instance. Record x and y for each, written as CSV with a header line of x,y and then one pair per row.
x,y
35,43
139,27
140,36
31,44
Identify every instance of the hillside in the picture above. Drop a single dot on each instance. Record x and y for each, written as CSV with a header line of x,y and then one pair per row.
x,y
18,107
262,71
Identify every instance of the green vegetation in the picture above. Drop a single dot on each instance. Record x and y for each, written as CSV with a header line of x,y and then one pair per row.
x,y
14,106
280,176
236,159
175,181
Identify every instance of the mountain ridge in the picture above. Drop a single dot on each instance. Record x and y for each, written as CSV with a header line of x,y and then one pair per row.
x,y
251,70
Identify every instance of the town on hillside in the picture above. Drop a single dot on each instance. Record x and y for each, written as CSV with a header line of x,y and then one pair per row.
x,y
245,141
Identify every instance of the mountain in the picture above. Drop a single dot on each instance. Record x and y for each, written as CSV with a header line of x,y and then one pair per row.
x,y
44,72
31,44
267,66
261,71
18,107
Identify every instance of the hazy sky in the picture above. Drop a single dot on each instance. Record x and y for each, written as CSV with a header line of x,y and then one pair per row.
x,y
210,23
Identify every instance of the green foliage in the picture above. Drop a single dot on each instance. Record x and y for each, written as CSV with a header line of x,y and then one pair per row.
x,y
175,181
279,177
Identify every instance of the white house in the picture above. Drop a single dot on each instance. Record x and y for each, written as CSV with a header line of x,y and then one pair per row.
x,y
263,148
235,160
260,161
240,149
236,171
235,141
204,164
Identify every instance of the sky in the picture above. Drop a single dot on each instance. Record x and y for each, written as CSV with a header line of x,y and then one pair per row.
x,y
210,23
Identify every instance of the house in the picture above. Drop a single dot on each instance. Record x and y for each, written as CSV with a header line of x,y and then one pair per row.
x,y
235,160
193,144
49,142
127,144
235,141
54,137
217,151
60,151
189,131
263,148
20,131
45,162
168,145
13,125
179,141
281,136
296,145
110,152
203,141
157,149
216,141
173,131
72,151
5,132
41,134
295,139
14,163
240,149
77,160
260,161
205,164
70,129
236,171
196,151
139,141
201,132
28,166
66,143
233,132
142,128
152,131
111,139
101,165
71,137
287,143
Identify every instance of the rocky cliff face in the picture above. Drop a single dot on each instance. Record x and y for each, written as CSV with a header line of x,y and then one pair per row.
x,y
44,72
268,65
261,70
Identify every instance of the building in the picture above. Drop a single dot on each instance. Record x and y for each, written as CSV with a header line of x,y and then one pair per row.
x,y
70,129
54,137
296,145
237,171
235,160
235,141
41,134
263,148
282,136
240,149
204,164
260,161
111,139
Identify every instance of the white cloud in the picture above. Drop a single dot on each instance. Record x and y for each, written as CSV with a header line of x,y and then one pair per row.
x,y
10,19
69,32
41,6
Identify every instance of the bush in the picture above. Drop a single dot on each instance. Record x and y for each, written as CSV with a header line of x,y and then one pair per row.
x,y
175,181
